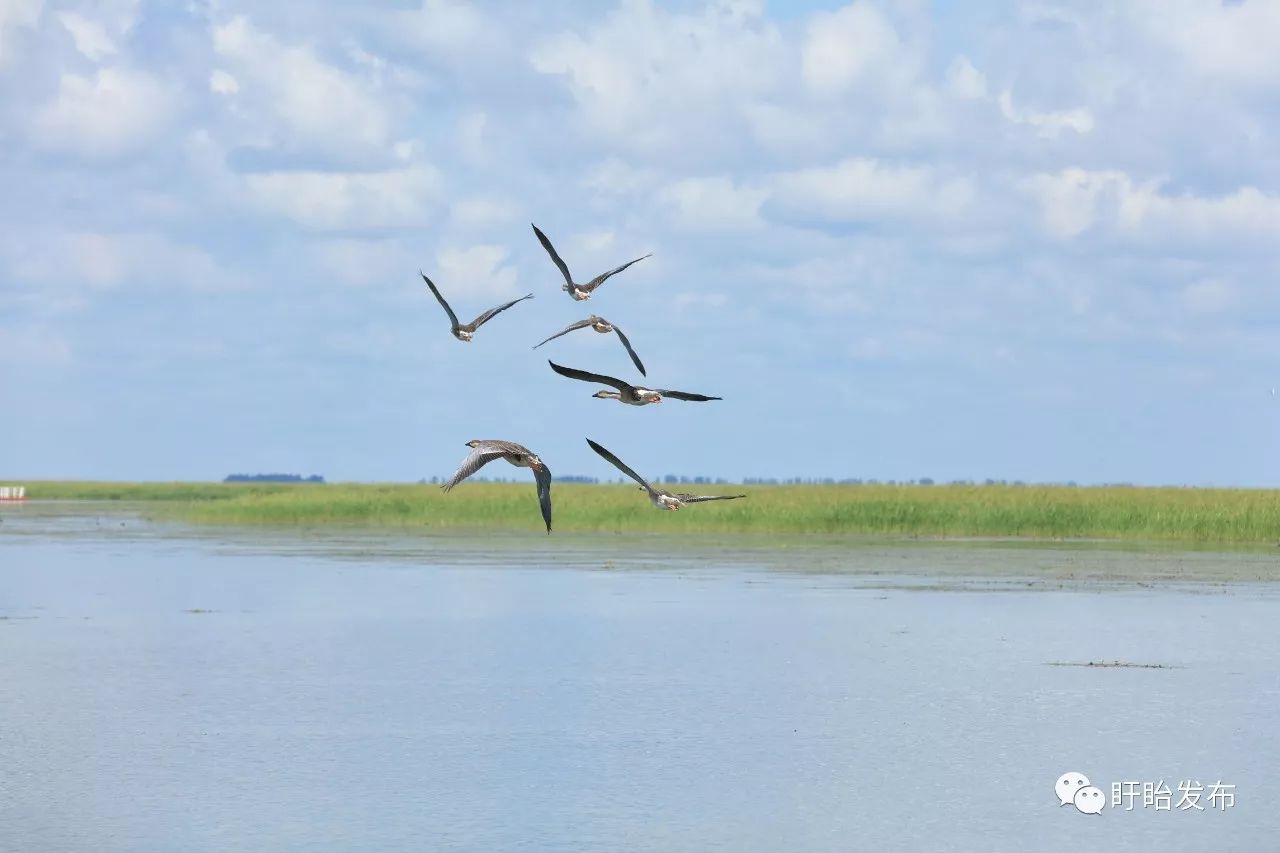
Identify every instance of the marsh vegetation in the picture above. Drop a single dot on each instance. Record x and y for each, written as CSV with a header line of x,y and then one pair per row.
x,y
1180,514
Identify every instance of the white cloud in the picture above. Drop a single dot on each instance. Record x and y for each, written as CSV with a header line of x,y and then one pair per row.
x,y
852,46
15,14
791,129
100,261
714,204
308,101
1069,199
1048,124
867,189
337,200
364,261
483,211
1074,200
716,84
445,25
1236,41
964,81
474,271
222,83
840,277
873,64
595,242
407,151
615,177
117,111
90,36
1243,214
99,29
656,82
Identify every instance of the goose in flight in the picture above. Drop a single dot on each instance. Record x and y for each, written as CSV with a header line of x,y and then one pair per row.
x,y
579,292
602,326
633,395
464,331
484,451
660,498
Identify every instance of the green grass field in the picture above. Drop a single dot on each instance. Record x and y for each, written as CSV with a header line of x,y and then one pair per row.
x,y
1174,514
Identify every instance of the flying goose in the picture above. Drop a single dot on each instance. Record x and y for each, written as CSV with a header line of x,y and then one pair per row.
x,y
602,326
579,292
464,331
633,395
660,498
484,451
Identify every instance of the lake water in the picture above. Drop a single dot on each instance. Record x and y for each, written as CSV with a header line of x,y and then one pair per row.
x,y
169,688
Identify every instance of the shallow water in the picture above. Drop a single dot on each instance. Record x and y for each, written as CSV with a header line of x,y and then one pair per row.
x,y
171,688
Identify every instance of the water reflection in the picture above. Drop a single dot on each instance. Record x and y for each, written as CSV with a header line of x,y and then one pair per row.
x,y
172,688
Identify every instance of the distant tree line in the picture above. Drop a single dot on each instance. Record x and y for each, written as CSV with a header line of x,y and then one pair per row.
x,y
272,478
680,479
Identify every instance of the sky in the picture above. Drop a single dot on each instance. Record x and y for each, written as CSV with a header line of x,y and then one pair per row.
x,y
1013,240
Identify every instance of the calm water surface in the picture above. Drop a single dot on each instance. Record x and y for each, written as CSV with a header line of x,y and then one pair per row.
x,y
166,688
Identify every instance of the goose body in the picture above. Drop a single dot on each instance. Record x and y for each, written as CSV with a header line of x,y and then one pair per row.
x,y
660,498
632,395
484,451
465,331
579,292
604,327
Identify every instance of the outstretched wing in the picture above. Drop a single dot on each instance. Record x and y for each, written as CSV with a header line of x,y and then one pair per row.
x,y
605,276
473,463
589,377
488,315
685,395
635,359
693,499
581,324
542,476
619,464
551,250
453,318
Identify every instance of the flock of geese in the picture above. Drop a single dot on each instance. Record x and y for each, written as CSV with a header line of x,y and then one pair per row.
x,y
484,451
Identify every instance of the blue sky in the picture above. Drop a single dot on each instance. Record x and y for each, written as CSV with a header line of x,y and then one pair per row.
x,y
1033,241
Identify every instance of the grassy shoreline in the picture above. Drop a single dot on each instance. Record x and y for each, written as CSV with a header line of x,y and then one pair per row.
x,y
1104,512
